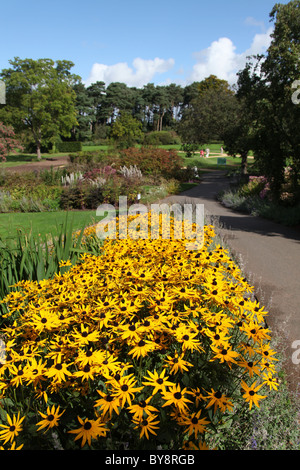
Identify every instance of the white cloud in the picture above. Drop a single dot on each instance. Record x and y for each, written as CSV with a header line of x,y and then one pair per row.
x,y
142,72
221,59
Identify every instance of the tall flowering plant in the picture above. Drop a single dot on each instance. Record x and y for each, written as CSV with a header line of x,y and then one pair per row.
x,y
145,346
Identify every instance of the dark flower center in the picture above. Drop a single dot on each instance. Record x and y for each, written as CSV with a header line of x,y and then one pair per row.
x,y
177,395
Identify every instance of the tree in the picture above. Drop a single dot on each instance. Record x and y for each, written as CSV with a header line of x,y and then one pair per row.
x,y
267,85
85,113
40,99
96,91
118,98
149,95
208,116
126,131
162,102
213,83
238,135
8,141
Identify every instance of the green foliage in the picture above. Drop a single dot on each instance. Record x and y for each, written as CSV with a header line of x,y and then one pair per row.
x,y
267,85
251,203
152,161
190,149
87,157
40,99
27,257
126,131
207,117
68,147
161,138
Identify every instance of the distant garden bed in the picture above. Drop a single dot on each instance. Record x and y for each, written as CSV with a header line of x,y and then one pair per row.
x,y
95,177
254,197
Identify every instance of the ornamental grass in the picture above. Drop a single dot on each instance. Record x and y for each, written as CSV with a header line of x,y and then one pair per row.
x,y
147,345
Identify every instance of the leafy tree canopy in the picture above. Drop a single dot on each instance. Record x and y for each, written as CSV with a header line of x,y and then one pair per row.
x,y
40,98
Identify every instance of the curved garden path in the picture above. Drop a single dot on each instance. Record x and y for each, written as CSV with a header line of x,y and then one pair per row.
x,y
44,164
269,255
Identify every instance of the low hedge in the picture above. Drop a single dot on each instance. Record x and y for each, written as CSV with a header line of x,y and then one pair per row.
x,y
68,147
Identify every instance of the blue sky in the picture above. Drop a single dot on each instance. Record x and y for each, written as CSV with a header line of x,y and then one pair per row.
x,y
138,41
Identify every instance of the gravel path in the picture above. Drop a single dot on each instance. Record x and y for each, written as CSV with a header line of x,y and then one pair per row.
x,y
46,163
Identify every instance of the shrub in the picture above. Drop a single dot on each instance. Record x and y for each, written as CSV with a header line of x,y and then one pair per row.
x,y
81,158
53,176
65,147
152,161
93,196
147,346
257,185
189,149
72,197
162,138
35,199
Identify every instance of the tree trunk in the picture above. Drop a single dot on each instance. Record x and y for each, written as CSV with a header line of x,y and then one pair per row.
x,y
38,139
244,165
38,151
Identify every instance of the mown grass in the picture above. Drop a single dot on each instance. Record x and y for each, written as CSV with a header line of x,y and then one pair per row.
x,y
40,224
215,152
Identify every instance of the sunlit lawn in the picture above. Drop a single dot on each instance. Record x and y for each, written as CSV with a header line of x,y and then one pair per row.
x,y
41,223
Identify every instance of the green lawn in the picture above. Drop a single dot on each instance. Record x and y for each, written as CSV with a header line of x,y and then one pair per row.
x,y
212,162
41,223
21,158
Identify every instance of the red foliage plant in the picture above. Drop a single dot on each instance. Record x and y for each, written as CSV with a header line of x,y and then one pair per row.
x,y
151,160
8,141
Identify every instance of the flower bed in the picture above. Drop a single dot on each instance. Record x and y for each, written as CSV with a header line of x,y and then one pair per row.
x,y
146,346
